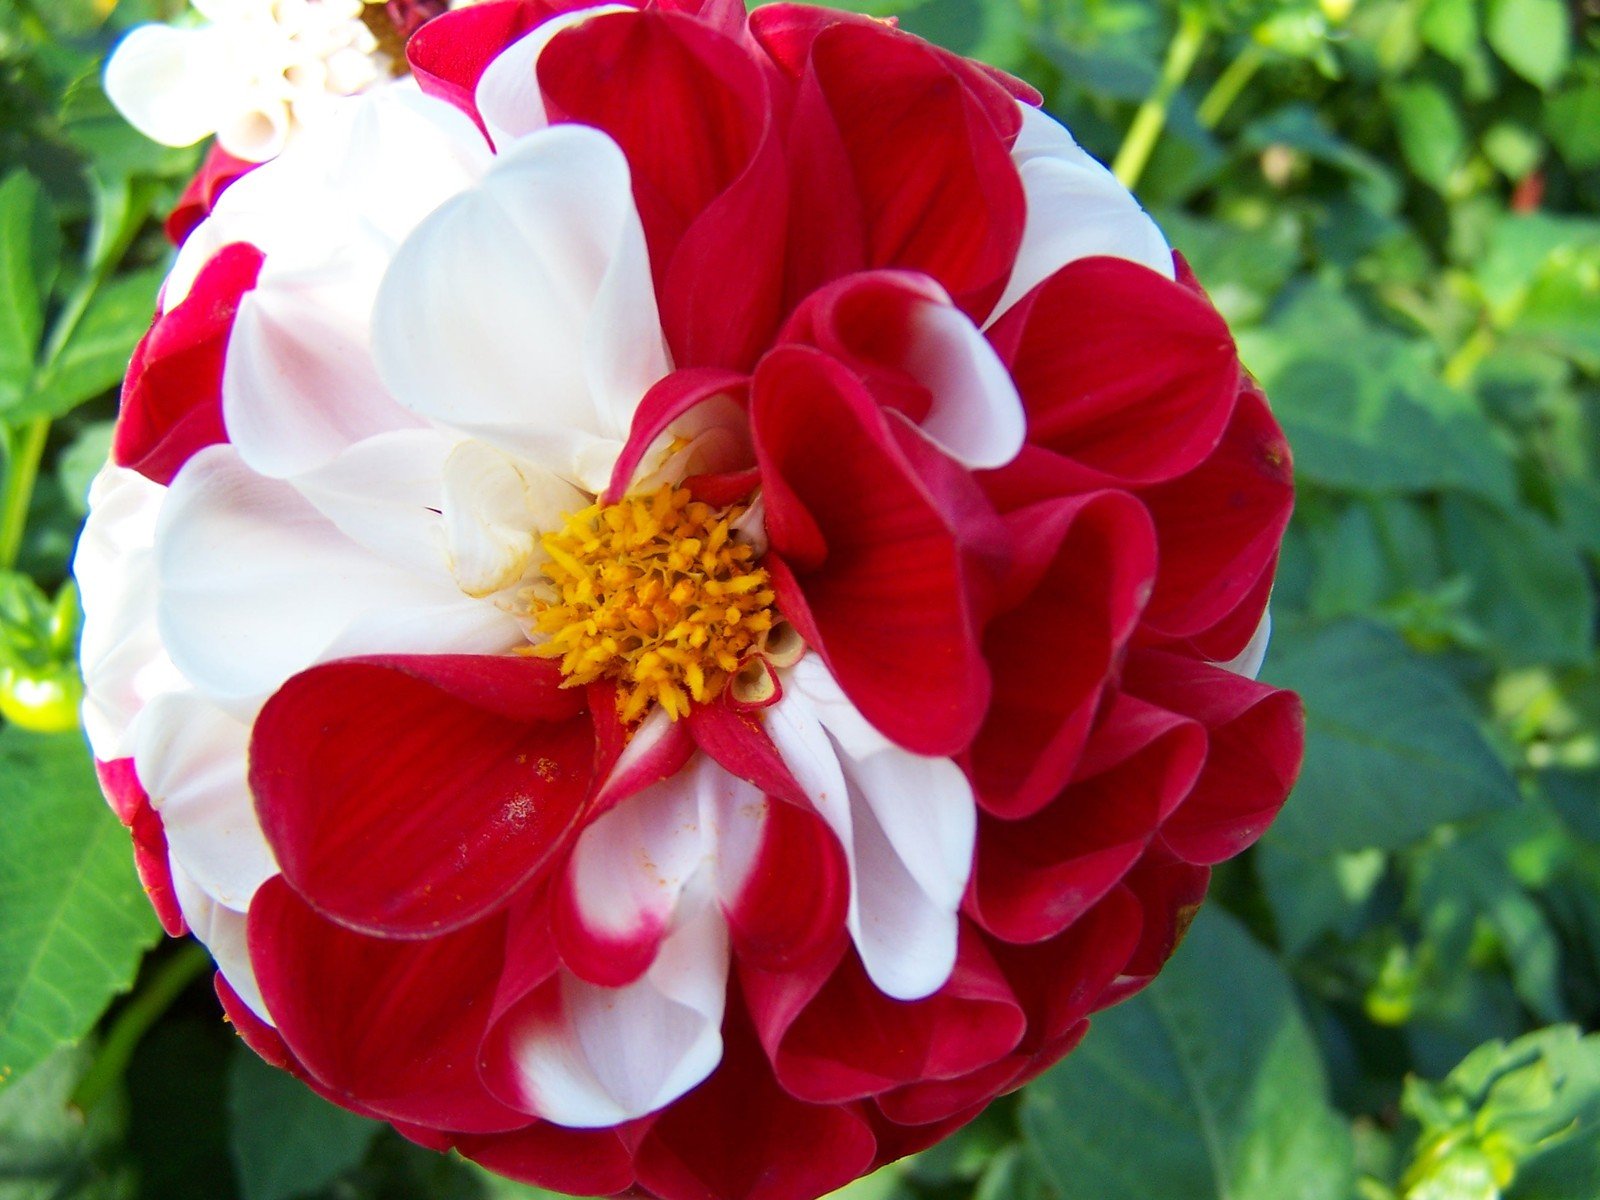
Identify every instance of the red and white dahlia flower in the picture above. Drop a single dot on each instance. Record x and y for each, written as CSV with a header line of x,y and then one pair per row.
x,y
677,594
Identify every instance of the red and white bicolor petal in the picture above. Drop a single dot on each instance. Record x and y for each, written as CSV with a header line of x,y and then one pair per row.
x,y
125,665
327,216
1076,209
906,822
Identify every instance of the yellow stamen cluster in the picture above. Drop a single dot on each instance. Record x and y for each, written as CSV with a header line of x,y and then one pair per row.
x,y
657,593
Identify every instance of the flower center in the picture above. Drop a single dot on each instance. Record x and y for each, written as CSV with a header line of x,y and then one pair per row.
x,y
655,592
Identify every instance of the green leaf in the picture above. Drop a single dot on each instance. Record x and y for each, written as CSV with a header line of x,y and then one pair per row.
x,y
1532,37
1392,747
1207,1086
74,921
288,1141
49,1152
1363,407
1431,134
30,251
1530,592
95,357
1572,119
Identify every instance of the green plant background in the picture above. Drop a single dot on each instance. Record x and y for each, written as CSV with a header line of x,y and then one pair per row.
x,y
1397,205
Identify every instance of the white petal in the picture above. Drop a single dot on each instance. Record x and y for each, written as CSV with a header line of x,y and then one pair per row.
x,y
630,866
977,415
223,932
256,585
1249,660
299,384
494,512
909,834
385,493
508,95
613,1054
124,663
522,311
173,85
328,213
193,760
1076,209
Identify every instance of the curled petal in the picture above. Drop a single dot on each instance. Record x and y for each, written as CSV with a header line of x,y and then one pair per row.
x,y
1034,877
1084,569
1121,370
876,536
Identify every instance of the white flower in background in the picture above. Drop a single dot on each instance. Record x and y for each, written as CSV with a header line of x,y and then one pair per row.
x,y
252,72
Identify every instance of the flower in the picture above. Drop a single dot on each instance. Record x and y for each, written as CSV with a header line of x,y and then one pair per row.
x,y
659,600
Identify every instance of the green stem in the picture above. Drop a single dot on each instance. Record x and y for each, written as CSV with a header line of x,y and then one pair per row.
x,y
22,472
134,1021
1151,118
1233,80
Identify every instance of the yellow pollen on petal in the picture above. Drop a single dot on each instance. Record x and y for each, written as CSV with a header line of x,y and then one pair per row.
x,y
656,593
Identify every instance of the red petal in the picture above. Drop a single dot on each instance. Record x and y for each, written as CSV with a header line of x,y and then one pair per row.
x,y
1170,894
217,171
1257,738
832,1036
172,398
409,795
874,537
708,173
1033,878
1219,527
667,401
740,1136
582,1162
792,906
387,1026
1125,372
120,783
925,147
449,54
1086,567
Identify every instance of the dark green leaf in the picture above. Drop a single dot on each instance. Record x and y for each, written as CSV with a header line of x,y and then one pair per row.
x,y
48,1151
1207,1086
1392,748
95,357
30,248
73,919
1529,590
287,1140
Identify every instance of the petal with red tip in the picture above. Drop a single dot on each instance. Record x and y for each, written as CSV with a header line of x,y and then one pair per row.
x,y
412,795
921,356
120,783
172,397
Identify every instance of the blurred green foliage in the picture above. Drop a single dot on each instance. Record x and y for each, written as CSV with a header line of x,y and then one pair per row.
x,y
1397,205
